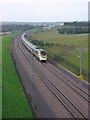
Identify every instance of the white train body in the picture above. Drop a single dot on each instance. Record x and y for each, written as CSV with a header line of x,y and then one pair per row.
x,y
39,53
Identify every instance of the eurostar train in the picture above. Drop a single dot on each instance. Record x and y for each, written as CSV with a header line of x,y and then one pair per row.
x,y
35,50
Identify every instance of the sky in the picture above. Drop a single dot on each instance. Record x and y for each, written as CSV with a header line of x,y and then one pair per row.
x,y
43,10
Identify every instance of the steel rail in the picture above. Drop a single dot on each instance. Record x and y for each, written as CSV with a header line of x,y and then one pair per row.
x,y
70,81
69,84
58,90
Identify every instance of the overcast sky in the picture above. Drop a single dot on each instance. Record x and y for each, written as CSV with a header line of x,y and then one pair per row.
x,y
44,10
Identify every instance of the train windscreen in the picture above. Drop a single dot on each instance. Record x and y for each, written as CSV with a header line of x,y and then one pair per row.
x,y
43,52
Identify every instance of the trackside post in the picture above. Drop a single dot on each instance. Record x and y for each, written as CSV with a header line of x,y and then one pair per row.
x,y
81,76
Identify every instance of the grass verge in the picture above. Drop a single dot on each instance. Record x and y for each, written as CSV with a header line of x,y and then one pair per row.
x,y
65,49
0,77
14,103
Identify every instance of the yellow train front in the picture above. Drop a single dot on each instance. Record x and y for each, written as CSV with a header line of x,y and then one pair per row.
x,y
41,54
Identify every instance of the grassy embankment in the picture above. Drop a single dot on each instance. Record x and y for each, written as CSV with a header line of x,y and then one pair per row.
x,y
65,49
0,77
14,103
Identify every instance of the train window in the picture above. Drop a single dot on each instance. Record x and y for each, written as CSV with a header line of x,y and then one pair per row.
x,y
43,52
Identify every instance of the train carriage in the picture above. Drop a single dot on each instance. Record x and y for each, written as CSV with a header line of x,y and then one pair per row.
x,y
39,53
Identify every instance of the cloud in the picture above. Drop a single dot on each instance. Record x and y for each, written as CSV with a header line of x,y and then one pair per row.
x,y
44,10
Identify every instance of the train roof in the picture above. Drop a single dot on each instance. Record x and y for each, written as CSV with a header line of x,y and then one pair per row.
x,y
31,44
40,50
43,50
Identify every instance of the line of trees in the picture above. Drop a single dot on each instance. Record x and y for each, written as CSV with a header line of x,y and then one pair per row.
x,y
74,28
78,24
16,28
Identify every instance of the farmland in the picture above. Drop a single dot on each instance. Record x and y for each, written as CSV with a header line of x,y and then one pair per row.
x,y
65,49
14,103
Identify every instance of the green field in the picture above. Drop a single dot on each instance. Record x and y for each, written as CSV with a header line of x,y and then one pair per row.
x,y
0,77
14,103
65,49
78,40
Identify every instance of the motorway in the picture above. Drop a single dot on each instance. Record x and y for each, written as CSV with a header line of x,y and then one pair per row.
x,y
50,90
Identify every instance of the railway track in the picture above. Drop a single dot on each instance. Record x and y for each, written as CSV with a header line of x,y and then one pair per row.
x,y
72,109
70,83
